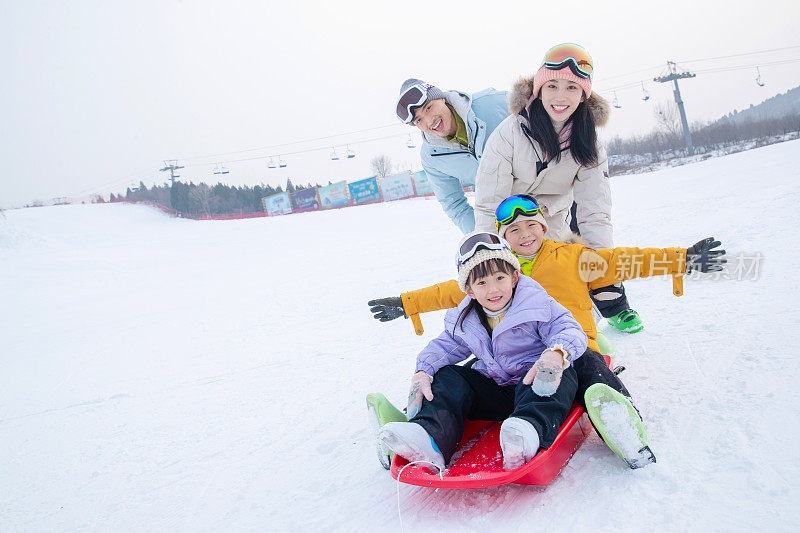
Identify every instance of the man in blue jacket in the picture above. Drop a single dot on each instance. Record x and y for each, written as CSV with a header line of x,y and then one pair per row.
x,y
454,127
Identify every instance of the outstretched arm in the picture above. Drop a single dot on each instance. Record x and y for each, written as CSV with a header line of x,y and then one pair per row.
x,y
411,304
603,267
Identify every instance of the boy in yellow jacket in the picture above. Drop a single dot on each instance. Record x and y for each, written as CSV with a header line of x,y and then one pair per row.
x,y
567,272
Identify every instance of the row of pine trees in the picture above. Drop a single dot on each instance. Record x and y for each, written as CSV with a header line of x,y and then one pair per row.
x,y
198,199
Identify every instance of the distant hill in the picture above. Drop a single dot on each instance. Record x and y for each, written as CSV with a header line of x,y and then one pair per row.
x,y
776,119
779,106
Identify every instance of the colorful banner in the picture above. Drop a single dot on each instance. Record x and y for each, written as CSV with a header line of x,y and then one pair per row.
x,y
334,195
365,191
277,204
304,199
421,183
397,186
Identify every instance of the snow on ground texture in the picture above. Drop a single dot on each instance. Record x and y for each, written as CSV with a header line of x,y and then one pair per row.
x,y
166,374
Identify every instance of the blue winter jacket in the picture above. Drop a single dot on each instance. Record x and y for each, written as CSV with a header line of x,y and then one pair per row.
x,y
533,323
451,167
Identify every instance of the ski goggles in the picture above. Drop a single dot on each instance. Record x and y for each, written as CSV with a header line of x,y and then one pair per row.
x,y
472,244
570,55
513,206
412,98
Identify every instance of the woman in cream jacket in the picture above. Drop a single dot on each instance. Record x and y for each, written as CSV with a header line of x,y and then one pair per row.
x,y
548,148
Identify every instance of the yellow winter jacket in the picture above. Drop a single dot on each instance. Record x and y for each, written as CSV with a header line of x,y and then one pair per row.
x,y
567,272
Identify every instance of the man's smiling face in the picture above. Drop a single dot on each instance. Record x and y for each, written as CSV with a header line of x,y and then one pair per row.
x,y
435,117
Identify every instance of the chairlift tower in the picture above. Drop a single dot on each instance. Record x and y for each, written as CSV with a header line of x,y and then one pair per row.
x,y
172,166
674,76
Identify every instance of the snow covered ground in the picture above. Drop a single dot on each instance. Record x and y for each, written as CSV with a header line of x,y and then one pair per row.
x,y
167,374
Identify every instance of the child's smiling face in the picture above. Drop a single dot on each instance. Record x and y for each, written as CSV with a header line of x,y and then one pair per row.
x,y
494,291
525,236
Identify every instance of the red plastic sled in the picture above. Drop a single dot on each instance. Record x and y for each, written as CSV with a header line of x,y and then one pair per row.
x,y
478,461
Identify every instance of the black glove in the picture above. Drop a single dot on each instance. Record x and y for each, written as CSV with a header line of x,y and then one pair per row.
x,y
701,256
386,309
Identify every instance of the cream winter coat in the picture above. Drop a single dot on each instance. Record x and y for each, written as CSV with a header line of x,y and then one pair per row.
x,y
508,167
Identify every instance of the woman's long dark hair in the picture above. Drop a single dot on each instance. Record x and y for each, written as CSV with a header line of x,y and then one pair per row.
x,y
582,139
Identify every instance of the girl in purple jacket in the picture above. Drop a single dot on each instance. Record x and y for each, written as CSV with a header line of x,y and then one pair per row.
x,y
524,343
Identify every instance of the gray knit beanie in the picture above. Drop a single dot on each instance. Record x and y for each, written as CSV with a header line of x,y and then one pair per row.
x,y
433,92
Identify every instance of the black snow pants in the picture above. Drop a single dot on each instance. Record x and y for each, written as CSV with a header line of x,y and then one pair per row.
x,y
461,393
591,368
610,300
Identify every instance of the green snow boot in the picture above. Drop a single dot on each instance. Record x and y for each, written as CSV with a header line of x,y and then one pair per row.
x,y
381,411
627,321
619,424
606,348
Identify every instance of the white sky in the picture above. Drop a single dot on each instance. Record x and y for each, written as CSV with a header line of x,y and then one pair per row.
x,y
96,94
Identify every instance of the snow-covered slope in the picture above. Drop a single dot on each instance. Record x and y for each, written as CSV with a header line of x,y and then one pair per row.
x,y
165,374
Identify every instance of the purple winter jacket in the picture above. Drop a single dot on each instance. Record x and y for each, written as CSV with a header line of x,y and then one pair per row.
x,y
533,323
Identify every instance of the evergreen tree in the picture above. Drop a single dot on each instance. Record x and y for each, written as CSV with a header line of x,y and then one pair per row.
x,y
179,196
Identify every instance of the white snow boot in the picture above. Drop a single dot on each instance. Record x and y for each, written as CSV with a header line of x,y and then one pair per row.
x,y
380,412
410,441
519,442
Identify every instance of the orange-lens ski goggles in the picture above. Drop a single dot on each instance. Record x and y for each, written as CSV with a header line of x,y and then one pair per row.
x,y
570,55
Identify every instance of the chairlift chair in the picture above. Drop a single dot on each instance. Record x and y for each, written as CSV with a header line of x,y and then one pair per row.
x,y
350,154
616,103
271,163
758,78
334,157
645,95
281,162
410,142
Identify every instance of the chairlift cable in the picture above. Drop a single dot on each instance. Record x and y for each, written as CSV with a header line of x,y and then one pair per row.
x,y
660,65
743,67
742,54
306,151
706,71
271,147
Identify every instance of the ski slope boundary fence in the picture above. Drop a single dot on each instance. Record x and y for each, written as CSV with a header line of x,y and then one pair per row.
x,y
334,196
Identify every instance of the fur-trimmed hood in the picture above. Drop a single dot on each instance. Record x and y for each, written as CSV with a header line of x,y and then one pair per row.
x,y
574,238
523,88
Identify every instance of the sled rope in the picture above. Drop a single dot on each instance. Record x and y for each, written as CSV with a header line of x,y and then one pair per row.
x,y
397,485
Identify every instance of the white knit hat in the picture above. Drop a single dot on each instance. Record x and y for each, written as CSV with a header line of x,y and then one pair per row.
x,y
481,255
538,217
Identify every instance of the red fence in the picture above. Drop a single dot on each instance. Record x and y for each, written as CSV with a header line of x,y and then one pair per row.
x,y
259,214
